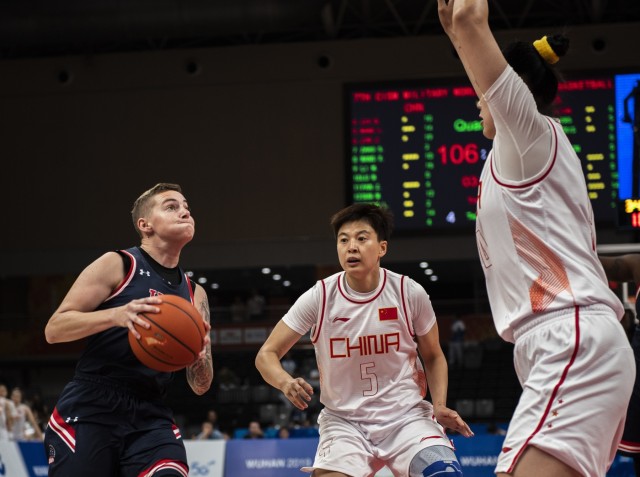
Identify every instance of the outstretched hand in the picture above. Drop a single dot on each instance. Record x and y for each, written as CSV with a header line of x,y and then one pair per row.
x,y
445,13
299,392
451,419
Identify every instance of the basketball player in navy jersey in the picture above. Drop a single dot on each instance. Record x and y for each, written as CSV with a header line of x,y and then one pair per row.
x,y
626,268
110,419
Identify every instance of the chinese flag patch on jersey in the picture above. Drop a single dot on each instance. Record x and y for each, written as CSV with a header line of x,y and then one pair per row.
x,y
386,314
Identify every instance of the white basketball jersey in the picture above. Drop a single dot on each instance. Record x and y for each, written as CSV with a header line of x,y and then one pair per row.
x,y
537,241
365,348
19,423
4,430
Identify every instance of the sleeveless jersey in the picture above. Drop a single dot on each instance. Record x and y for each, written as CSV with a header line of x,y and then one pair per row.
x,y
108,353
536,238
5,406
19,423
367,356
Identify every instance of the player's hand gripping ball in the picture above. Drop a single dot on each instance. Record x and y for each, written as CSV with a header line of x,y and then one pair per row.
x,y
175,338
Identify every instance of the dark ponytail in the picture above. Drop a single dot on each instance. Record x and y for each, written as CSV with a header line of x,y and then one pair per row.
x,y
534,65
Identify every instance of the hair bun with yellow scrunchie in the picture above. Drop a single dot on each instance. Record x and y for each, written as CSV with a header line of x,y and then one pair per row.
x,y
551,48
534,62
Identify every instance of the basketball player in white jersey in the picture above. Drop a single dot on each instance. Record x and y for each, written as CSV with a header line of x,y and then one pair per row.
x,y
626,268
536,240
365,323
7,414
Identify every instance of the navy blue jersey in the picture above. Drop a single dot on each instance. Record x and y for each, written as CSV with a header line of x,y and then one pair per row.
x,y
108,353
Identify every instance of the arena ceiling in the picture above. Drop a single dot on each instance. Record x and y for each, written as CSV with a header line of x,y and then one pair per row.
x,y
37,28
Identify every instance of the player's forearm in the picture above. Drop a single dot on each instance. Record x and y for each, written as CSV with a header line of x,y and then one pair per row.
x,y
75,325
269,366
200,374
437,380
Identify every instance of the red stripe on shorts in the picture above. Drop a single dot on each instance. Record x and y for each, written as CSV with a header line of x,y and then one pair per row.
x,y
554,393
66,432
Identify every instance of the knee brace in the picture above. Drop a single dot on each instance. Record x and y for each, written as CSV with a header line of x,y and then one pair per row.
x,y
435,461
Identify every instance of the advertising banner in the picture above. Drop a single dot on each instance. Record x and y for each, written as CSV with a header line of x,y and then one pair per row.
x,y
272,458
206,458
269,457
35,459
11,463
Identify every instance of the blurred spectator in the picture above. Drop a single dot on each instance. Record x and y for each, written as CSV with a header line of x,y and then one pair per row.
x,y
456,343
40,410
227,379
7,414
24,426
283,433
208,432
209,427
212,417
492,428
255,306
238,310
255,431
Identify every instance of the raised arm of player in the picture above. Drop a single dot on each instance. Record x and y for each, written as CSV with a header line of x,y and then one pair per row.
x,y
466,22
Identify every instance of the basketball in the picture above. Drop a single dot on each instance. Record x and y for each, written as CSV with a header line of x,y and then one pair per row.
x,y
175,338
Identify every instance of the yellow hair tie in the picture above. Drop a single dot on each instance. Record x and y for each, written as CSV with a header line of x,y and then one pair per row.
x,y
545,50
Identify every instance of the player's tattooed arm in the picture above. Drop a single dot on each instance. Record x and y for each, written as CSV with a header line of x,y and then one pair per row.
x,y
200,373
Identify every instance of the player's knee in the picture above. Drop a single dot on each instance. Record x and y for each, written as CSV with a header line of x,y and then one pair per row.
x,y
436,461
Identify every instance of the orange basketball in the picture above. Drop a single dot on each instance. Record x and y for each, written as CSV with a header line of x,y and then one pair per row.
x,y
175,338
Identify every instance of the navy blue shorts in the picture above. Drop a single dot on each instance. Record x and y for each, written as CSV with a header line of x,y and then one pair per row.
x,y
100,430
630,444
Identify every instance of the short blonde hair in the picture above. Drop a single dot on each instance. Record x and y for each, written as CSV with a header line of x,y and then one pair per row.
x,y
142,204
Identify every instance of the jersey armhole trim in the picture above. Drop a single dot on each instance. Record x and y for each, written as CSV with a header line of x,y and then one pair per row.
x,y
128,277
404,307
321,318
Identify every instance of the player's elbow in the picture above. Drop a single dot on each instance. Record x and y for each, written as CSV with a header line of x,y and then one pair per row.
x,y
51,335
199,391
258,361
261,361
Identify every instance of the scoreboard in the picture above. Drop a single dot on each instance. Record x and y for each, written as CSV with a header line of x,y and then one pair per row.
x,y
418,148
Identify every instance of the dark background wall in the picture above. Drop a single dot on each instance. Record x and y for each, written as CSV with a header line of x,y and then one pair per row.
x,y
255,135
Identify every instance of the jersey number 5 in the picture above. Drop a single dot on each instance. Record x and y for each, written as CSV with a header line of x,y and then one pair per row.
x,y
367,374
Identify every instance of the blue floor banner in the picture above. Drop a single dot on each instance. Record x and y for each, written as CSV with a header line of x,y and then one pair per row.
x,y
269,457
23,459
478,455
272,458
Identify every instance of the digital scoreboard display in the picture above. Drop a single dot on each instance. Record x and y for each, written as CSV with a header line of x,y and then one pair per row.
x,y
418,148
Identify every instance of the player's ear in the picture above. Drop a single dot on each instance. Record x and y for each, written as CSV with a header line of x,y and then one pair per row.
x,y
383,249
143,225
